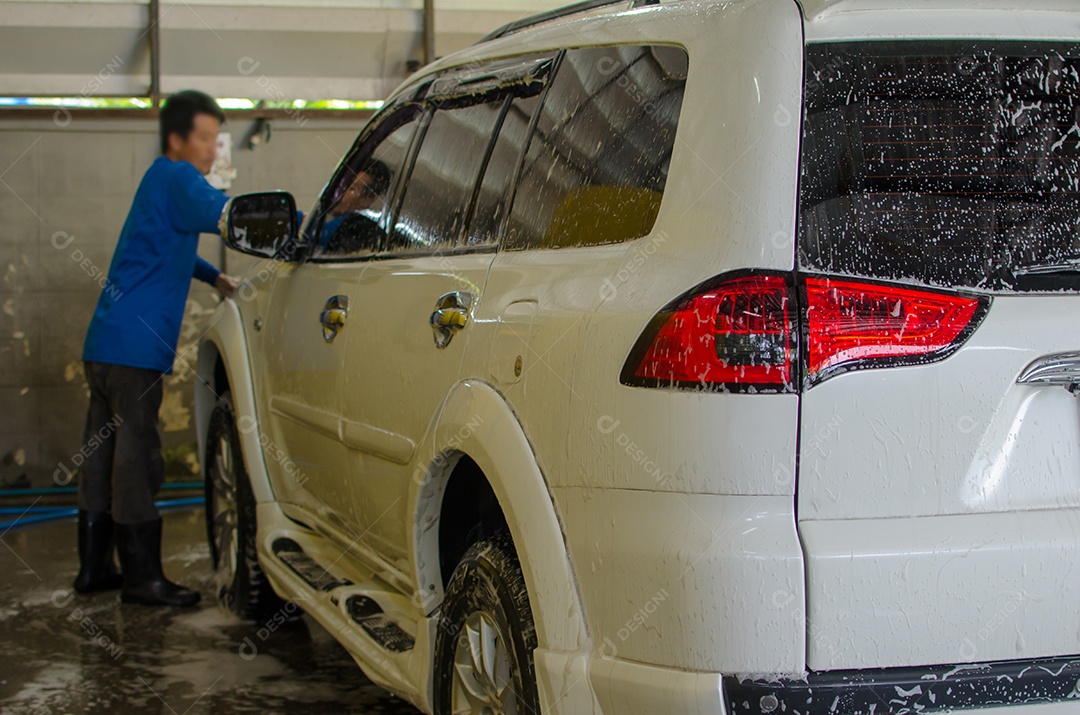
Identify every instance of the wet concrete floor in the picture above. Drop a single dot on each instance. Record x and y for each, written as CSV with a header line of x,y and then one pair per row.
x,y
63,653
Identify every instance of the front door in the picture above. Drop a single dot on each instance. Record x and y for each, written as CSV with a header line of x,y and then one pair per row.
x,y
304,346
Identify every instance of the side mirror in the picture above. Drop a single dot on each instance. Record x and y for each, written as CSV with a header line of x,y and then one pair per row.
x,y
259,224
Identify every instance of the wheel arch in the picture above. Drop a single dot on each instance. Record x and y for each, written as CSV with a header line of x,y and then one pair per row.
x,y
223,358
477,427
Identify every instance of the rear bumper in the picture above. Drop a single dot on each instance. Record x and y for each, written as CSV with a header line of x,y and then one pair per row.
x,y
576,685
923,690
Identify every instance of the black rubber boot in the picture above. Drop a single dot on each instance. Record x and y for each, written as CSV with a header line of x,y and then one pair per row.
x,y
97,569
139,547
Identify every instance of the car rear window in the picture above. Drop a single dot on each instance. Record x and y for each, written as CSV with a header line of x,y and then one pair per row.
x,y
944,163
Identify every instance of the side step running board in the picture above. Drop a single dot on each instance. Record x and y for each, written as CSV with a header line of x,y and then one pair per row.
x,y
307,568
363,610
369,615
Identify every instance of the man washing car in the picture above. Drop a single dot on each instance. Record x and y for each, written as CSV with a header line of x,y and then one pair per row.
x,y
131,344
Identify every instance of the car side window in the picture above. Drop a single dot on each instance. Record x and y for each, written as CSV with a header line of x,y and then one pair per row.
x,y
597,162
355,222
443,176
493,195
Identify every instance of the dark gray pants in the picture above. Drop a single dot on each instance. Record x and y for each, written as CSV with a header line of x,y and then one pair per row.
x,y
123,469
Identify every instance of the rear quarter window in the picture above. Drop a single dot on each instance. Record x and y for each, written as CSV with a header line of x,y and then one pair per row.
x,y
597,161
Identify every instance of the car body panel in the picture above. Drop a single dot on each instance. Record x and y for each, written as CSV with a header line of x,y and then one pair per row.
x,y
300,382
225,340
939,504
478,421
396,380
998,19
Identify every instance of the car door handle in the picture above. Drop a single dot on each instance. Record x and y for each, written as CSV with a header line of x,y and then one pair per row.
x,y
451,315
333,316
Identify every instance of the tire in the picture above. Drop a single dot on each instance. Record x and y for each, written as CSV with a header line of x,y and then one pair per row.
x,y
486,597
231,525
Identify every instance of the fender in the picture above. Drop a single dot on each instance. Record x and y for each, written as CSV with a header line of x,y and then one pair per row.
x,y
226,339
476,421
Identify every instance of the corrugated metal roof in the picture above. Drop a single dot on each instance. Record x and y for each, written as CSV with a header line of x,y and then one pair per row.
x,y
302,51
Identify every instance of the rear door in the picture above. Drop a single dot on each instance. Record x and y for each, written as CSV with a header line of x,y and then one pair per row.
x,y
939,471
420,291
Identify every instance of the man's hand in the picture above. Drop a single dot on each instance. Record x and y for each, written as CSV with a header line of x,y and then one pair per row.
x,y
226,285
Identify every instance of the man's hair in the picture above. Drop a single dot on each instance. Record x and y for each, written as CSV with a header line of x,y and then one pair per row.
x,y
178,114
380,176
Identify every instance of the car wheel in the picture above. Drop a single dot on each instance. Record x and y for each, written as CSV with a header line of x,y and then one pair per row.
x,y
486,636
230,523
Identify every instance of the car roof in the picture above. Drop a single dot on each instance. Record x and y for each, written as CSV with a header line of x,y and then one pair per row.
x,y
824,20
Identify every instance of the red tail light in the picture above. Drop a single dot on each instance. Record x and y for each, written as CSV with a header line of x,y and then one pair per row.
x,y
853,324
736,334
739,333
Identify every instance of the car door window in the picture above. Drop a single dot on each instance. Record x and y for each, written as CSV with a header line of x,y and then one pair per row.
x,y
354,224
597,161
469,107
493,195
444,174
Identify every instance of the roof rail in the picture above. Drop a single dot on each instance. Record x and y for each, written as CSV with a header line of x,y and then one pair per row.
x,y
547,16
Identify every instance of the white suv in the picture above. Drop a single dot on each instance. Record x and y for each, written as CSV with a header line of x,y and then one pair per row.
x,y
693,357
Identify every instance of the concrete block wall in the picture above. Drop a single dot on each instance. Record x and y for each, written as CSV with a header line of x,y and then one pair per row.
x,y
64,194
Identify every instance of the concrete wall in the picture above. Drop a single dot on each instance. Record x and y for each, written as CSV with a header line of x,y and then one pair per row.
x,y
72,187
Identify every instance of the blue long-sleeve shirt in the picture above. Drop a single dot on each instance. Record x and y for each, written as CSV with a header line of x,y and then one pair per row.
x,y
138,314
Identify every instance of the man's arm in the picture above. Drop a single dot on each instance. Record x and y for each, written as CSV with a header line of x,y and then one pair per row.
x,y
205,271
196,204
196,208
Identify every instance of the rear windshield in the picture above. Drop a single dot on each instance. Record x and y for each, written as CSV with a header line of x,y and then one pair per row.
x,y
944,163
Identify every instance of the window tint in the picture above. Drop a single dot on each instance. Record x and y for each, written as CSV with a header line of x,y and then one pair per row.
x,y
596,165
946,163
355,223
445,172
494,194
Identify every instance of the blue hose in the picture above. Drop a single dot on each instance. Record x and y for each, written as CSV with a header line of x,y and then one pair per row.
x,y
73,490
41,514
33,509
